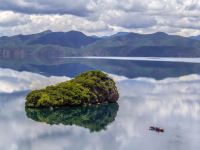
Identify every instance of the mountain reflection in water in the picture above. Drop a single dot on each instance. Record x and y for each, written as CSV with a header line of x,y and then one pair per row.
x,y
71,67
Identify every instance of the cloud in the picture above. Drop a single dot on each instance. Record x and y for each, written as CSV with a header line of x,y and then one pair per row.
x,y
9,19
80,8
101,17
128,20
15,23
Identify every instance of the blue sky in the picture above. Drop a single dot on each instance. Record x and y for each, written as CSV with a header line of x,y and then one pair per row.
x,y
100,17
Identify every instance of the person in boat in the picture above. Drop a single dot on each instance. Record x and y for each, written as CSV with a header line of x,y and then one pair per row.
x,y
157,129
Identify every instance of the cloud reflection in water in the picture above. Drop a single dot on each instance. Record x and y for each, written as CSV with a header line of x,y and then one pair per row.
x,y
172,103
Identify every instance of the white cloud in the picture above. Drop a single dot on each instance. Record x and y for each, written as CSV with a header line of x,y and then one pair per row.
x,y
28,24
128,20
9,19
100,16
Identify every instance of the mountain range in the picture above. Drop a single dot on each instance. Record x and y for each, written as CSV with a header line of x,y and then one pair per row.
x,y
195,37
75,43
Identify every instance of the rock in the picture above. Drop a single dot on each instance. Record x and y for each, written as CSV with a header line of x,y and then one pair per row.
x,y
92,87
94,117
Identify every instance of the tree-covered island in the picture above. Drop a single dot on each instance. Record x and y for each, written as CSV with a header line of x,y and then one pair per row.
x,y
92,87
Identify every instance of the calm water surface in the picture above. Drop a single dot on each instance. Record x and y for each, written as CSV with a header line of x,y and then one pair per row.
x,y
164,94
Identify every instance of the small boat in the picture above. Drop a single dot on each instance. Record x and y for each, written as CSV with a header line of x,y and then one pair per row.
x,y
156,129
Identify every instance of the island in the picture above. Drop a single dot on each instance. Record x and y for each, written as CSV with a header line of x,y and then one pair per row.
x,y
88,88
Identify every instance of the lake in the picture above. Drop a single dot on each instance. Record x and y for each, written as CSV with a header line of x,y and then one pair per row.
x,y
153,92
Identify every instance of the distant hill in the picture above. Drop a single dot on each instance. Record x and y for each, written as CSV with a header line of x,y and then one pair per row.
x,y
132,44
73,39
119,34
75,43
196,37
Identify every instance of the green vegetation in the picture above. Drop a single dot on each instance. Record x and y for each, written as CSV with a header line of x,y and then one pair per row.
x,y
73,43
94,117
91,87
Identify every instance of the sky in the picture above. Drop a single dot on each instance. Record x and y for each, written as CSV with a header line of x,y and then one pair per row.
x,y
100,17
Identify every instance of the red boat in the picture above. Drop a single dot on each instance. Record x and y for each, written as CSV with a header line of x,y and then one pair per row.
x,y
157,129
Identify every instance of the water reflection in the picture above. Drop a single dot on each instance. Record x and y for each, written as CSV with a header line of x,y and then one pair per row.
x,y
128,68
15,81
95,118
171,103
